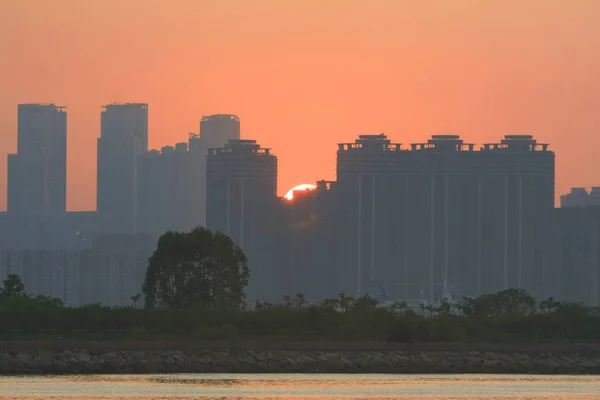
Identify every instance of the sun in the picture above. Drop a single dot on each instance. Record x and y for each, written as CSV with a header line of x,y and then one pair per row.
x,y
306,186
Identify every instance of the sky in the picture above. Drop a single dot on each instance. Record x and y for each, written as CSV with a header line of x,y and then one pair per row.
x,y
304,75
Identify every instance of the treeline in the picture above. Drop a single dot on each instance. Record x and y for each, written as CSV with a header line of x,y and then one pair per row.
x,y
508,316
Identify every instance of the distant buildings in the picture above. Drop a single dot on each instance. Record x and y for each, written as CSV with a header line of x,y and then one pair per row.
x,y
169,198
123,141
37,173
576,254
215,132
405,220
580,197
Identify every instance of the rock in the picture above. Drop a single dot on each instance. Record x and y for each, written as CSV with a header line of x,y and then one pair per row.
x,y
256,361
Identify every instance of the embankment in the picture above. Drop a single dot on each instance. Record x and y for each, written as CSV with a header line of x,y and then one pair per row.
x,y
60,357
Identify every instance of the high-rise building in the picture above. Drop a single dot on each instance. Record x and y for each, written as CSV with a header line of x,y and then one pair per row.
x,y
308,244
444,215
37,173
517,202
215,132
169,197
576,254
241,202
123,141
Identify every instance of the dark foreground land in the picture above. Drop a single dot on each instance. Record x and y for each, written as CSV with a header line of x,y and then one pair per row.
x,y
60,344
506,332
177,356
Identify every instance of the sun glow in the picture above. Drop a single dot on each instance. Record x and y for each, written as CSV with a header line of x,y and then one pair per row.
x,y
307,186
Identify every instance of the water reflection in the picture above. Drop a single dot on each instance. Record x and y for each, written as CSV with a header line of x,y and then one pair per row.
x,y
300,386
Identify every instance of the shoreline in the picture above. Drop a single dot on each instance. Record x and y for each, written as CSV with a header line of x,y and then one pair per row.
x,y
36,357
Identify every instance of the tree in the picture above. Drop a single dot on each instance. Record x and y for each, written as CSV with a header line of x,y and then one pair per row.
x,y
506,302
196,269
135,298
365,303
345,302
12,286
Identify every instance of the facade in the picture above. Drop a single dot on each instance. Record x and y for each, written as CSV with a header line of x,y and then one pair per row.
x,y
109,271
577,254
215,132
516,220
67,231
46,273
308,245
37,173
122,143
169,198
241,202
445,213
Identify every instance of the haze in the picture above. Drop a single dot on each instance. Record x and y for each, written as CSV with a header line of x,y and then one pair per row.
x,y
304,75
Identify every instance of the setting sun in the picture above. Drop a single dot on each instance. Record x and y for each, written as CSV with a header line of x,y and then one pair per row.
x,y
307,186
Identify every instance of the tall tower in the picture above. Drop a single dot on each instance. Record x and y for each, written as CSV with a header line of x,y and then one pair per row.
x,y
123,140
365,188
517,206
37,173
215,132
241,199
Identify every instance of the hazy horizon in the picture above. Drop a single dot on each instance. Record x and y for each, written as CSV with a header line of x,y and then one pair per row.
x,y
305,75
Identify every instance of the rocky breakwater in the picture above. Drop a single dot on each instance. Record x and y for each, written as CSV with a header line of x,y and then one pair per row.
x,y
289,361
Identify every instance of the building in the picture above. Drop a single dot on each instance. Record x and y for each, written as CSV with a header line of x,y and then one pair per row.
x,y
576,254
215,132
37,173
580,197
110,270
44,272
123,141
242,202
364,169
67,231
444,212
169,197
308,244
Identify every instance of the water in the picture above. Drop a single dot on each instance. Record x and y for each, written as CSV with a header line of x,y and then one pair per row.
x,y
300,386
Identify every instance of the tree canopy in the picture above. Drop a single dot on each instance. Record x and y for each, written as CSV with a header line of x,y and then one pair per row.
x,y
12,286
197,269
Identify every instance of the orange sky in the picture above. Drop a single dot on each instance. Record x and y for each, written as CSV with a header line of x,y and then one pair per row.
x,y
306,74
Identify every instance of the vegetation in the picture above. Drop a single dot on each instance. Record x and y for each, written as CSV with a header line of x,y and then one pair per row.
x,y
194,290
508,316
199,269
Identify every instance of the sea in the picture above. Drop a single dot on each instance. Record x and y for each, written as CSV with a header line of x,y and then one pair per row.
x,y
300,386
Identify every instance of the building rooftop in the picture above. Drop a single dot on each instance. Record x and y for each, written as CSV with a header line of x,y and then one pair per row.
x,y
232,117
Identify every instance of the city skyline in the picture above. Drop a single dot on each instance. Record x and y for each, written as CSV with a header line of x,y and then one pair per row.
x,y
307,73
119,118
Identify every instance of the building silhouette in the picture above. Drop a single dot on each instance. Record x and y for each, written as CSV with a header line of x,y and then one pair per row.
x,y
215,132
403,220
241,201
308,243
576,254
123,141
445,212
169,196
37,173
580,197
